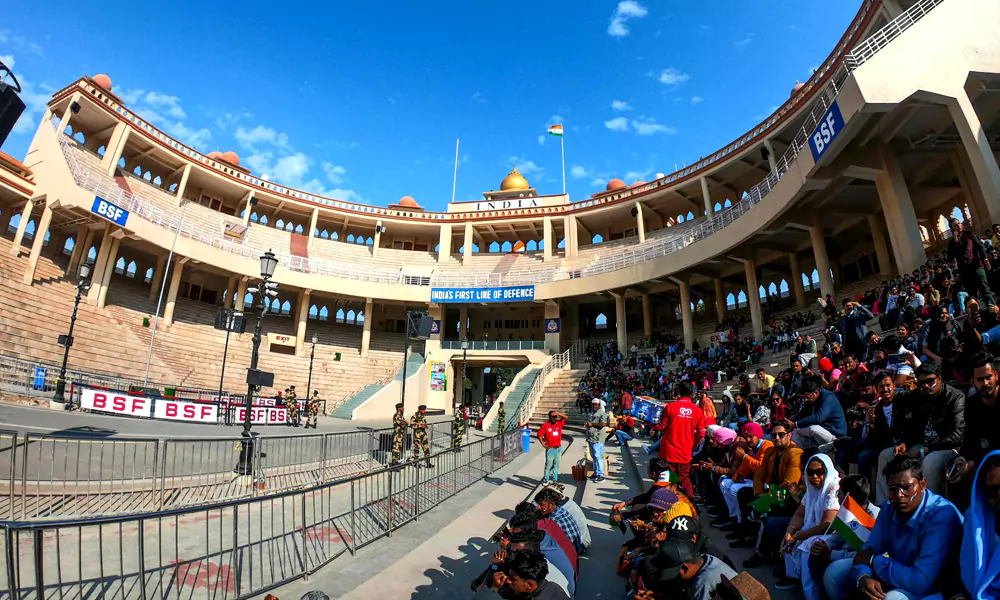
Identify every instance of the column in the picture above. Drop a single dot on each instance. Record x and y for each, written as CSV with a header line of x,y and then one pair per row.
x,y
80,244
444,243
230,290
881,250
97,272
247,207
68,113
647,316
366,331
620,322
720,301
378,238
175,284
463,322
436,312
573,317
300,331
985,170
822,260
114,149
900,218
772,163
547,241
687,318
15,248
38,243
707,197
109,270
797,288
182,186
241,293
157,281
467,249
572,243
753,298
552,340
640,222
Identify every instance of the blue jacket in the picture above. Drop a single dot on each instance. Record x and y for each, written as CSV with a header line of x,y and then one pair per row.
x,y
920,548
980,559
827,413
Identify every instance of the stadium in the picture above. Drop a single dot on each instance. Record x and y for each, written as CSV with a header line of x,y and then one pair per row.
x,y
151,247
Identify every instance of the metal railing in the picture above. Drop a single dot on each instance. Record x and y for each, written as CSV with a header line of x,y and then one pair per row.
x,y
238,548
494,345
59,476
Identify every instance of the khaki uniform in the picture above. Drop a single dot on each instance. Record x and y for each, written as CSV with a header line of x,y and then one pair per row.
x,y
418,422
291,408
398,433
313,411
501,421
458,429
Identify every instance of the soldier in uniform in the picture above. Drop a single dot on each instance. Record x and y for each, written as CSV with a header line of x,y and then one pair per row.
x,y
458,428
501,420
418,422
313,408
398,433
291,407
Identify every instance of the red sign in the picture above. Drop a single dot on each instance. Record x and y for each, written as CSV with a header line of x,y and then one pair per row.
x,y
116,403
260,415
179,410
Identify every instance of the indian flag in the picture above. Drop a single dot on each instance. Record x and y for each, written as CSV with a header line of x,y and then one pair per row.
x,y
853,524
556,130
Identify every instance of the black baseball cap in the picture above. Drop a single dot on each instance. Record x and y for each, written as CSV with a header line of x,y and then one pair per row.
x,y
685,528
422,407
671,556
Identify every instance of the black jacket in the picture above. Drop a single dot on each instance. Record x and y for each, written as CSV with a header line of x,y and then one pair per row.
x,y
935,421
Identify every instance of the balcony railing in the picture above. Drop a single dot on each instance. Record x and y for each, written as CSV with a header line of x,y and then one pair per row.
x,y
494,345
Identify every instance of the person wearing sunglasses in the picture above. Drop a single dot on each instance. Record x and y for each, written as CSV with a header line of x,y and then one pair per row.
x,y
911,552
930,422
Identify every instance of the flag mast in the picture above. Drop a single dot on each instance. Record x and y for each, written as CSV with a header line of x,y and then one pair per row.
x,y
454,182
562,144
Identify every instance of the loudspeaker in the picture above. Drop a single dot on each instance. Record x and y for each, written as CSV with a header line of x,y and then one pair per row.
x,y
11,107
261,378
423,327
236,324
635,211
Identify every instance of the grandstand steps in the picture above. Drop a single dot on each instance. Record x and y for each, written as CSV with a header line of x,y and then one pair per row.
x,y
561,395
345,410
518,394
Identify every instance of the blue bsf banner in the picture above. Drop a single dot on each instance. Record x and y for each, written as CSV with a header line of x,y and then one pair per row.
x,y
109,211
826,131
519,293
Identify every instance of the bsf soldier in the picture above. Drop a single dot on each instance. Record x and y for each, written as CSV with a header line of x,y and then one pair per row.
x,y
458,429
313,408
398,433
292,407
418,422
501,420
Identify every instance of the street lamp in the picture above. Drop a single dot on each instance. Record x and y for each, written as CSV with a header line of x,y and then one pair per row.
x,y
312,355
465,358
67,340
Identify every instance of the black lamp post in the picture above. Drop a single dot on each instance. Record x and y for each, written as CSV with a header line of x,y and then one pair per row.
x,y
312,356
67,340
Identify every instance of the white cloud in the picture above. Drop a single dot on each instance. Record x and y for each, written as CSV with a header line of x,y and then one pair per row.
x,y
672,76
164,102
578,172
651,127
743,43
478,97
697,99
7,59
165,111
633,176
541,140
556,120
524,166
599,182
617,124
626,10
260,136
335,173
620,105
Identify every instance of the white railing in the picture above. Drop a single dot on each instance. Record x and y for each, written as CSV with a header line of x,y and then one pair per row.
x,y
881,38
556,361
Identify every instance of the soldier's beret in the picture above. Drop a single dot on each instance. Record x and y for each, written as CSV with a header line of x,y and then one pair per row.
x,y
399,405
422,407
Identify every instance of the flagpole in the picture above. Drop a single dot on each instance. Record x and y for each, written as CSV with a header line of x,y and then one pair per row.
x,y
454,183
562,143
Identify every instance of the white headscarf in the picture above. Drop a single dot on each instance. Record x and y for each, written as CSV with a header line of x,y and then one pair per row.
x,y
816,500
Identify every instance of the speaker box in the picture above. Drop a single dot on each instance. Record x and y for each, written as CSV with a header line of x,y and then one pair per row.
x,y
11,107
423,328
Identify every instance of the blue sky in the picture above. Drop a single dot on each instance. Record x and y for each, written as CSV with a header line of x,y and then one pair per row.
x,y
364,102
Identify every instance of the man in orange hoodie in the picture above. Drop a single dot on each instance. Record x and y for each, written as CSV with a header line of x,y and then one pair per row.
x,y
749,462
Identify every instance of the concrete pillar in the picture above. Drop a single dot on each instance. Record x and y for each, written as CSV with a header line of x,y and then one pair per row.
x,y
109,271
977,148
772,163
38,243
707,197
241,292
753,299
366,331
15,248
900,218
797,289
547,242
463,322
182,186
300,330
378,238
114,149
68,113
80,244
822,260
573,318
552,339
175,284
247,207
647,316
620,323
444,243
100,264
640,222
468,239
157,281
230,291
720,301
881,250
687,318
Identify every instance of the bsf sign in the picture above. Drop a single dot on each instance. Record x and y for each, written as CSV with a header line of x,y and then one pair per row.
x,y
176,410
115,403
109,211
828,129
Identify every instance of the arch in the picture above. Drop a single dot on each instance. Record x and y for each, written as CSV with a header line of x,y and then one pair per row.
x,y
942,224
324,234
16,220
437,247
601,322
68,246
360,240
298,229
101,150
350,316
370,241
762,293
783,288
741,299
731,301
121,163
541,244
340,315
173,188
680,218
286,307
263,220
131,270
814,278
597,239
149,275
248,300
494,247
531,246
360,319
92,254
254,218
562,243
727,204
280,224
313,313
690,215
324,313
506,247
806,284
120,265
772,290
157,181
137,171
350,238
78,136
334,236
718,206
700,308
29,231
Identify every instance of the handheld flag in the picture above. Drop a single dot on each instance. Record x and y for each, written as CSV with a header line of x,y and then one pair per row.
x,y
853,524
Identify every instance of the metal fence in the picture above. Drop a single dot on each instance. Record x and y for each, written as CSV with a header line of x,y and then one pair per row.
x,y
58,476
234,548
494,345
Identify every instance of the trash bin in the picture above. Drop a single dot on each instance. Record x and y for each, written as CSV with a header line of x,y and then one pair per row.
x,y
526,439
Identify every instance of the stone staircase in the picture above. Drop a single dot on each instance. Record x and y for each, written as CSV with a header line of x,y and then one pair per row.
x,y
345,410
560,395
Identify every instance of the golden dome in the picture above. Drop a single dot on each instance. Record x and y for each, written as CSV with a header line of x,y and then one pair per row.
x,y
514,181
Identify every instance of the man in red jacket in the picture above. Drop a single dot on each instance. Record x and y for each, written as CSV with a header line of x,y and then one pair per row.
x,y
683,426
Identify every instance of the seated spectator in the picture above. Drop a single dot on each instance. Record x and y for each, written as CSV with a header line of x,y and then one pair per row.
x,y
750,461
821,420
980,559
567,514
525,576
982,434
676,562
554,545
930,423
912,550
812,519
530,541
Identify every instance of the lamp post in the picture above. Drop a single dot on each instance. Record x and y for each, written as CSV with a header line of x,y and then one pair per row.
x,y
312,356
67,340
465,358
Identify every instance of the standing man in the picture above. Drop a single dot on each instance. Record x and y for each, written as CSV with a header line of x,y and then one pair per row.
x,y
458,429
969,254
597,420
313,408
854,326
418,422
398,434
501,420
292,407
683,426
550,435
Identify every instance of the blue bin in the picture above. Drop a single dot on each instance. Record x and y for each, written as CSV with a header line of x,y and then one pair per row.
x,y
526,439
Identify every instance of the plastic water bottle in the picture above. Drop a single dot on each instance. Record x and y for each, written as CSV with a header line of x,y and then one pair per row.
x,y
525,439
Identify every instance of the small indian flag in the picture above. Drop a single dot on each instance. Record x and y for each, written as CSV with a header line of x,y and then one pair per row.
x,y
556,130
853,524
